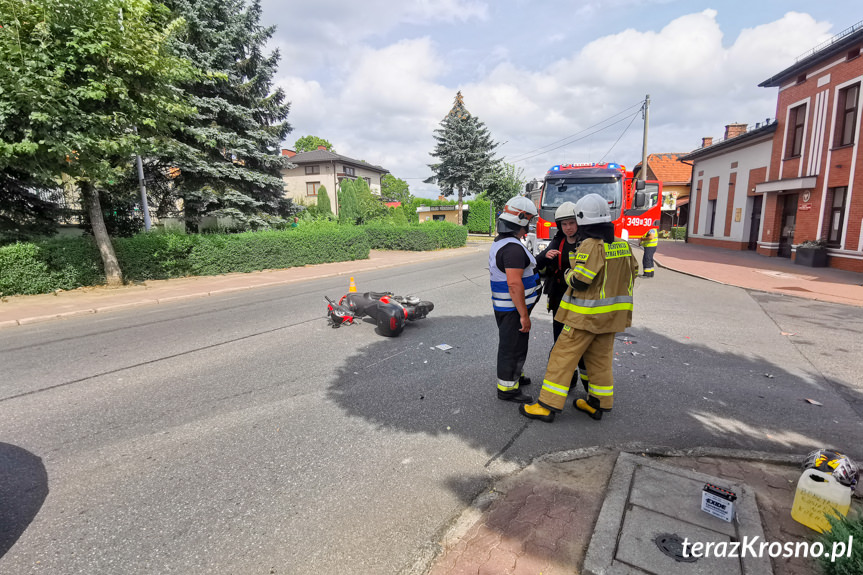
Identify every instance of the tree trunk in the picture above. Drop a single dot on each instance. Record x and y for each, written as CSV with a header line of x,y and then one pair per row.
x,y
113,275
460,196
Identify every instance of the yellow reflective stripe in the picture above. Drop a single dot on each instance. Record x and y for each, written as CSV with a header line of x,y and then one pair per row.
x,y
554,388
650,243
601,389
584,271
502,385
646,270
598,309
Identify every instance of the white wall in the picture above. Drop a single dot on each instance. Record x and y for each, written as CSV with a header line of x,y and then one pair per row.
x,y
748,158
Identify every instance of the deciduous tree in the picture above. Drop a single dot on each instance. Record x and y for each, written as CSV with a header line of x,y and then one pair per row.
x,y
311,143
86,85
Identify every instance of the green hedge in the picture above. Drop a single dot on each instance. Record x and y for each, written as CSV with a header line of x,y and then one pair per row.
x,y
478,217
416,237
42,267
253,251
678,233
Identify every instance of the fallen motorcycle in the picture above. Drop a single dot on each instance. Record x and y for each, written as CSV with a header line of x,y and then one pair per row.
x,y
389,311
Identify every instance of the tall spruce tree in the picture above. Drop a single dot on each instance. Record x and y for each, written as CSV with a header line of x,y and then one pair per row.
x,y
465,152
230,159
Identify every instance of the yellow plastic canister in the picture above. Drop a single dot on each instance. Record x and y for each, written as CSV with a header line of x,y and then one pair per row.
x,y
819,494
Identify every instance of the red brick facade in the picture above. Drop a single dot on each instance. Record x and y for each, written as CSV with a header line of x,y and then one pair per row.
x,y
821,82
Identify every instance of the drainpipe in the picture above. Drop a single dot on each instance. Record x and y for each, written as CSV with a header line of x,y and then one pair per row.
x,y
691,180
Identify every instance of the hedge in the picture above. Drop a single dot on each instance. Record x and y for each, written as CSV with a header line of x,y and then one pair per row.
x,y
678,233
416,237
46,266
478,217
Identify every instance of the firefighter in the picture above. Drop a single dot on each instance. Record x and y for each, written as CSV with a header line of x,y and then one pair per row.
x,y
553,262
648,243
514,291
597,304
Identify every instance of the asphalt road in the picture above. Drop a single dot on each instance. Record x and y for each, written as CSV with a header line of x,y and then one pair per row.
x,y
241,434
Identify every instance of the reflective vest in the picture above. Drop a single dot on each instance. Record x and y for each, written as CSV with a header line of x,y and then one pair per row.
x,y
650,239
606,305
500,298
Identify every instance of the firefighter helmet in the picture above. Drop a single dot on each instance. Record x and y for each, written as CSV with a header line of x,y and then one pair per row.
x,y
592,209
519,211
566,211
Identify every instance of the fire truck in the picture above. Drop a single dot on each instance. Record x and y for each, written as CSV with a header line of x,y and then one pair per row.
x,y
635,205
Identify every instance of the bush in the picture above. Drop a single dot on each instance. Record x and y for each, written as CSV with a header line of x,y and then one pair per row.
x,y
254,251
155,256
416,237
478,217
43,267
841,530
678,233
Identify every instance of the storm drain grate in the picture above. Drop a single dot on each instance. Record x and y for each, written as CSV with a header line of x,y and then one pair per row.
x,y
672,545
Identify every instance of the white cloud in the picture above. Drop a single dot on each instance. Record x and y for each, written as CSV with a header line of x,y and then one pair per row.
x,y
382,103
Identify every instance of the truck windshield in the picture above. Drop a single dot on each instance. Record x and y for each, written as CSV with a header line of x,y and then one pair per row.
x,y
562,190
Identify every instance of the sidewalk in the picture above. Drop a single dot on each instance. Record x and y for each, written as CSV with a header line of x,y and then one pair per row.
x,y
753,271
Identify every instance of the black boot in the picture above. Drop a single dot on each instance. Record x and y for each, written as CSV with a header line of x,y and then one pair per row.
x,y
522,380
516,396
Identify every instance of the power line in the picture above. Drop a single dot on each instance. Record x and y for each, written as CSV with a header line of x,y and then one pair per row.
x,y
571,141
521,158
619,137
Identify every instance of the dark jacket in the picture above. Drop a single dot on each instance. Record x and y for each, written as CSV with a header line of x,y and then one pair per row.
x,y
552,272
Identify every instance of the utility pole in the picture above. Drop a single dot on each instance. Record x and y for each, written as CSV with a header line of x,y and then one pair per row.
x,y
646,110
144,207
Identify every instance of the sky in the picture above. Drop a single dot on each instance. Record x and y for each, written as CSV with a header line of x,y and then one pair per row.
x,y
554,81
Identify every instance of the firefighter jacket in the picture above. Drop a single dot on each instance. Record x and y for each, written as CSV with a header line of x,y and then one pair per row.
x,y
650,239
500,298
552,270
606,305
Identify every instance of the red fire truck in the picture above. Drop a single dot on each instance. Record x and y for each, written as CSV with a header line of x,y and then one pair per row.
x,y
635,205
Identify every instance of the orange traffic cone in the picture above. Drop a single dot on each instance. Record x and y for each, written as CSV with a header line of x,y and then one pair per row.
x,y
353,286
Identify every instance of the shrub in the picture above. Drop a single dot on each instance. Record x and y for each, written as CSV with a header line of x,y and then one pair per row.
x,y
841,530
416,237
253,251
478,217
678,233
155,256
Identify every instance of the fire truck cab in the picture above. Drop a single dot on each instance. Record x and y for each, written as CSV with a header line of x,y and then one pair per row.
x,y
633,210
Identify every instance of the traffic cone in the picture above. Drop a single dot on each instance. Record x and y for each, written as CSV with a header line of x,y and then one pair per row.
x,y
353,287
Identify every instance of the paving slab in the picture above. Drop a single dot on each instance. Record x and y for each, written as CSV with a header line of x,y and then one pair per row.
x,y
647,500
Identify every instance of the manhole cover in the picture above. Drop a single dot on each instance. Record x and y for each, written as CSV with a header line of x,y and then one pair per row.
x,y
672,545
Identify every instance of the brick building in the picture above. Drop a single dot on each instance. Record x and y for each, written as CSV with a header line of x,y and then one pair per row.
x,y
814,184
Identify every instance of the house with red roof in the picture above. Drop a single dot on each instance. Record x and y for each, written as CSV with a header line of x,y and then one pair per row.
x,y
675,175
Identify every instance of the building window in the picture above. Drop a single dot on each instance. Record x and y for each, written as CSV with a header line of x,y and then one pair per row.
x,y
312,188
439,218
846,118
837,215
711,216
349,171
796,120
368,182
312,170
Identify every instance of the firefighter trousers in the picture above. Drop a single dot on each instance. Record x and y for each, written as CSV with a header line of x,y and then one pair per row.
x,y
556,328
647,261
511,349
597,351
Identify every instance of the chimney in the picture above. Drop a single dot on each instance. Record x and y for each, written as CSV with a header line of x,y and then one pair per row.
x,y
322,147
705,142
288,153
734,130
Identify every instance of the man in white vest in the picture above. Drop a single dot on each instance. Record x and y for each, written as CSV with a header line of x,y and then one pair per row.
x,y
515,290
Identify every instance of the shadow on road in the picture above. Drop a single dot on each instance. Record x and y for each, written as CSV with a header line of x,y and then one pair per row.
x,y
23,488
671,393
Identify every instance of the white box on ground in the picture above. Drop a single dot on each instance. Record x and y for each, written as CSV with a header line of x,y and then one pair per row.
x,y
718,502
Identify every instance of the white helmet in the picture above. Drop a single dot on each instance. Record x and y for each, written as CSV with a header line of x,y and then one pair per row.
x,y
565,211
592,209
519,210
